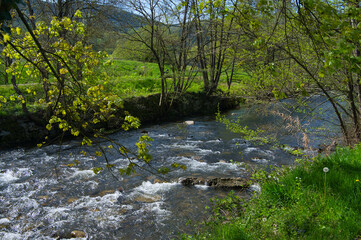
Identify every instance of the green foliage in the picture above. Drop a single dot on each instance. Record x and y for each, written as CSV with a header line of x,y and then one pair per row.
x,y
74,88
143,145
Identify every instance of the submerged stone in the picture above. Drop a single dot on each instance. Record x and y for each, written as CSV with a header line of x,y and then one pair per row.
x,y
147,198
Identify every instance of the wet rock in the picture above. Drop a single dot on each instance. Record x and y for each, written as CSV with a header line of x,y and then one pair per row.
x,y
191,181
78,234
147,198
105,192
189,122
94,210
186,154
4,223
45,197
236,182
99,193
158,181
71,200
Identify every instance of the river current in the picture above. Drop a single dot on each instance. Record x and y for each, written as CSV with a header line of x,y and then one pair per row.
x,y
43,197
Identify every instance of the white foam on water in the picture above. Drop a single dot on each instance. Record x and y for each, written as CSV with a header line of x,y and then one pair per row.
x,y
214,141
108,200
255,187
250,149
23,204
10,176
202,187
164,135
264,153
127,207
208,151
16,188
155,188
92,184
194,141
13,154
181,146
11,236
260,160
192,147
56,214
269,153
195,165
105,210
4,220
7,177
47,159
122,161
155,207
82,174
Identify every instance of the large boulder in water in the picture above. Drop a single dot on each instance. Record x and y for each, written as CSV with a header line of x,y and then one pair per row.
x,y
218,182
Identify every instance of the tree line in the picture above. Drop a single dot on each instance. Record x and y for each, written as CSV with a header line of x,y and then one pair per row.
x,y
286,47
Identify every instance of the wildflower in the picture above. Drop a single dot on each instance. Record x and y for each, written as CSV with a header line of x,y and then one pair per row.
x,y
357,180
264,219
325,169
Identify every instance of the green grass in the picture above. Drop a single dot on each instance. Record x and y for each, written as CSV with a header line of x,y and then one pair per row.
x,y
295,205
126,78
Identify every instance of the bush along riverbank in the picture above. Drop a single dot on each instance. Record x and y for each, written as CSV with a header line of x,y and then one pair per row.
x,y
19,130
318,199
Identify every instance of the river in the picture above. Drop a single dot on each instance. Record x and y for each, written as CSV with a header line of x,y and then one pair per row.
x,y
43,197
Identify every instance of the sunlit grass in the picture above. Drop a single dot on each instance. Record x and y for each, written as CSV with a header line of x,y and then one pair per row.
x,y
293,205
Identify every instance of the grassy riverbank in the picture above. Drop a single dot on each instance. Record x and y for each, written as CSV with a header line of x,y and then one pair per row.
x,y
125,79
302,202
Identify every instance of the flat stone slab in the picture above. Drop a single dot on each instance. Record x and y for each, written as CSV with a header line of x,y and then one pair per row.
x,y
236,182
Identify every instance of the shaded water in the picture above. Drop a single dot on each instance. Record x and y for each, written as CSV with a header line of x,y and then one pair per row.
x,y
43,198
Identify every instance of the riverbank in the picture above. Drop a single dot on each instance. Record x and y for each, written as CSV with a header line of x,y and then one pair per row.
x,y
20,131
313,200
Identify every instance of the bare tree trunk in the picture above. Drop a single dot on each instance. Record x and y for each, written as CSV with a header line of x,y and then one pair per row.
x,y
355,117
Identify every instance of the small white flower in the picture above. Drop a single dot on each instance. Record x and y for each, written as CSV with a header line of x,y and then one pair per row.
x,y
325,169
264,219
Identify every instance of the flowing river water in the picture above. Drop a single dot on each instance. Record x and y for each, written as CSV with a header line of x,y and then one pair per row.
x,y
42,197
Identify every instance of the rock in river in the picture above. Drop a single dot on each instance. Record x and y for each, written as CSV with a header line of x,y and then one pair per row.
x,y
78,234
230,182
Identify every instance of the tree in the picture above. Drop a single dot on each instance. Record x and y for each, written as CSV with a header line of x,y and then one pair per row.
x,y
214,22
166,29
318,40
76,105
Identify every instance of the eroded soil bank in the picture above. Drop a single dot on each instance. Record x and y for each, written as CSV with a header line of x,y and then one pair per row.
x,y
20,131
